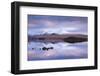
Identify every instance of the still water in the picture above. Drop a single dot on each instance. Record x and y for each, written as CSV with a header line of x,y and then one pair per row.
x,y
60,50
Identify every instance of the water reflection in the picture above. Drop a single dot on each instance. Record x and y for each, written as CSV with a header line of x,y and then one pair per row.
x,y
60,50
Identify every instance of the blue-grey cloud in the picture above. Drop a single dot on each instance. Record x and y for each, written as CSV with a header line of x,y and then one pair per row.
x,y
56,24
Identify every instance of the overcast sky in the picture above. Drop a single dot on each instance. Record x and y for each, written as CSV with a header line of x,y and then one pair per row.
x,y
40,24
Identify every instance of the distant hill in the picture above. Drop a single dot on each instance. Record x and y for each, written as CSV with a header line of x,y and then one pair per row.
x,y
70,38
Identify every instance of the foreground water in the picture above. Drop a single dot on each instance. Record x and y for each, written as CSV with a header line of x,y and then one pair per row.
x,y
60,50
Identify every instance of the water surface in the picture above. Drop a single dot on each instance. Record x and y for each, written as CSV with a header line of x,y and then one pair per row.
x,y
61,50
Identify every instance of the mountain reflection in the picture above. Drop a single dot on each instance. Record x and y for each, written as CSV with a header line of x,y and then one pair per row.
x,y
57,47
